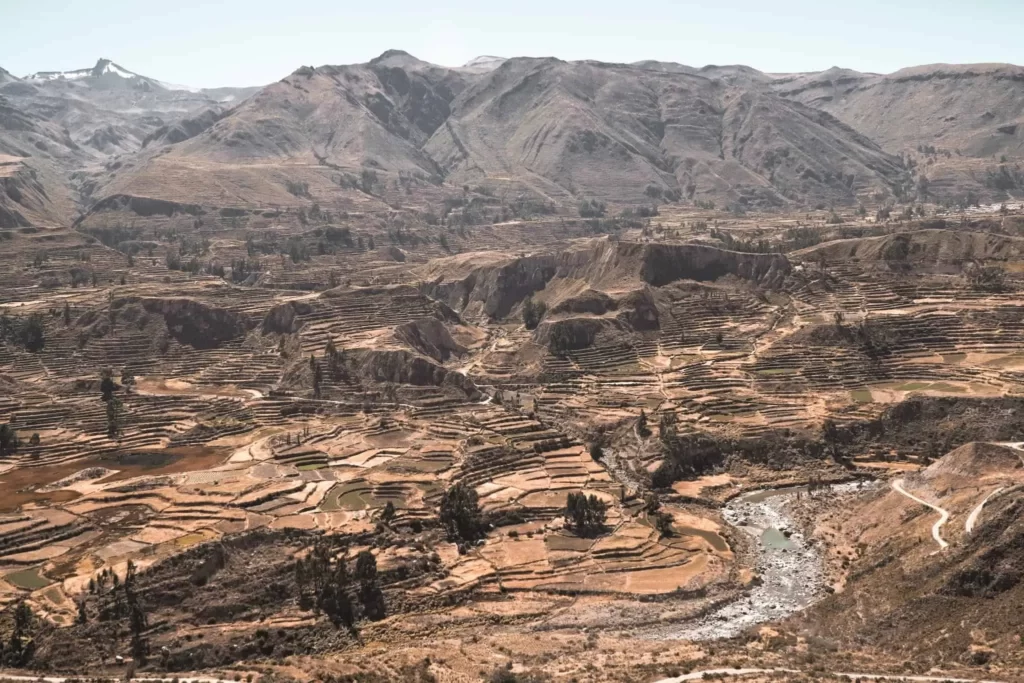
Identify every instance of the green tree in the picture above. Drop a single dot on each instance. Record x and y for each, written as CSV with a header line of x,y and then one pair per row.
x,y
667,425
370,594
8,440
115,417
21,645
642,427
137,620
585,514
592,208
31,334
367,180
388,513
326,576
663,523
686,456
107,384
318,376
335,357
460,513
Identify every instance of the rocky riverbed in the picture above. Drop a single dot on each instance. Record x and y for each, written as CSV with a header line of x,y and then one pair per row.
x,y
789,568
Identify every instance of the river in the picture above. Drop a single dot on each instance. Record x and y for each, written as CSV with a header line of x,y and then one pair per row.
x,y
790,568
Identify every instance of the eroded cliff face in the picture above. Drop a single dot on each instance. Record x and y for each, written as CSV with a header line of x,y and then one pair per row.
x,y
665,263
573,334
398,366
430,337
588,278
494,289
188,321
284,318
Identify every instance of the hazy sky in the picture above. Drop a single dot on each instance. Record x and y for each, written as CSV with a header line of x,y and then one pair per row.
x,y
252,42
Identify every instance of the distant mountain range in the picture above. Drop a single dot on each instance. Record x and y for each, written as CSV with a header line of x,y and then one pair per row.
x,y
538,130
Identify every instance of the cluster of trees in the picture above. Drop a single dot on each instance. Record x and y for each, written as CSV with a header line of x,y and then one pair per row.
x,y
686,456
460,514
337,363
662,520
27,333
8,440
242,268
173,261
297,188
639,212
476,210
986,278
325,585
337,367
20,646
591,208
115,407
1004,178
124,603
318,376
584,514
751,246
367,180
533,312
658,192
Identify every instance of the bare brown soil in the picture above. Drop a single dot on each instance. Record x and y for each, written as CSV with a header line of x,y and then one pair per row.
x,y
752,368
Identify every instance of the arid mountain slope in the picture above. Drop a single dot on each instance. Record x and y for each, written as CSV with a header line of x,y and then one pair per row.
x,y
618,132
920,248
107,109
930,605
977,109
318,130
557,131
34,153
400,132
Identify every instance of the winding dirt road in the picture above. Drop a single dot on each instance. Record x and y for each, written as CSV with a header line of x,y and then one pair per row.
x,y
973,517
897,485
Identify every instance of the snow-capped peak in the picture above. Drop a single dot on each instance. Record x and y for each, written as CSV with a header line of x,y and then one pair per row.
x,y
103,67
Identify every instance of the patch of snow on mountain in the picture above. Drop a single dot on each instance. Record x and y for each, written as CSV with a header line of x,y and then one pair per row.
x,y
59,75
112,68
174,86
483,63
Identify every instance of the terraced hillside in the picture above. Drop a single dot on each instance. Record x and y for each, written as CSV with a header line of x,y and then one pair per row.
x,y
214,407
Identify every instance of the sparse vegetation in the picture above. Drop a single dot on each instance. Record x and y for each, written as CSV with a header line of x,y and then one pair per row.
x,y
442,354
987,278
297,188
591,208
